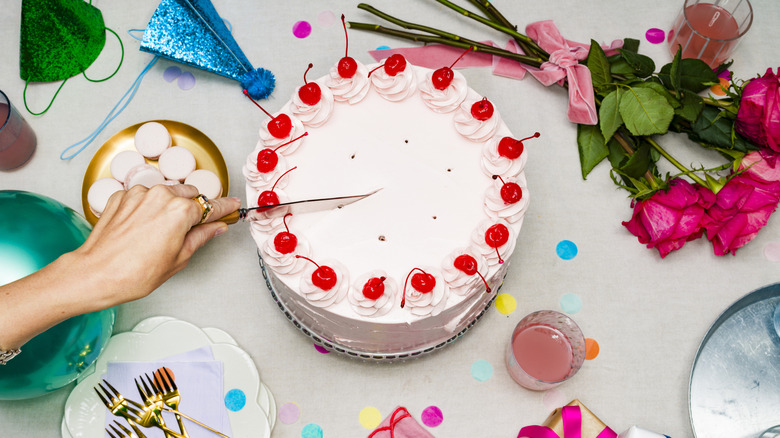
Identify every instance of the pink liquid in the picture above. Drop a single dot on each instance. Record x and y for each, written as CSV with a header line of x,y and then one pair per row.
x,y
17,139
543,352
709,34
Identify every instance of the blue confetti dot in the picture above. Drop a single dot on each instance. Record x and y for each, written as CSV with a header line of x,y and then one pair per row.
x,y
235,399
482,370
311,430
571,303
566,249
383,47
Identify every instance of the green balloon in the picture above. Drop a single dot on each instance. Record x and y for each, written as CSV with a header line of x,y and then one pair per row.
x,y
34,231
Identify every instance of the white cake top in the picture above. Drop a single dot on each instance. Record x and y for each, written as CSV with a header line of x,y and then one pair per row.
x,y
425,150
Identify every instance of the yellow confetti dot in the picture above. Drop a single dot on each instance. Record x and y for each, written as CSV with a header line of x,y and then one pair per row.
x,y
506,304
720,89
591,349
370,417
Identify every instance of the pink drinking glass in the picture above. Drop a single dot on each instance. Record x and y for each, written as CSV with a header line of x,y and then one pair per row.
x,y
710,30
17,139
547,348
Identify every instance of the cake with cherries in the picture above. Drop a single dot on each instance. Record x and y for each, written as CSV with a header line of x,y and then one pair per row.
x,y
411,267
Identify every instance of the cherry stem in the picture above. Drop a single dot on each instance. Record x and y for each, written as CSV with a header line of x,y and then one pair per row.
x,y
403,297
246,93
280,177
536,135
346,36
291,141
306,258
500,260
375,69
304,73
499,178
284,221
487,288
462,55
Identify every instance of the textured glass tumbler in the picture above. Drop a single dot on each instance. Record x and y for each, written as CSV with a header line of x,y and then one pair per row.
x,y
547,348
17,139
710,30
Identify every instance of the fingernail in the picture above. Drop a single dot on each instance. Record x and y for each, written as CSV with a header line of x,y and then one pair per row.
x,y
220,231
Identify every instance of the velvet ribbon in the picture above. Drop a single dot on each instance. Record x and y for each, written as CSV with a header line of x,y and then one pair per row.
x,y
572,427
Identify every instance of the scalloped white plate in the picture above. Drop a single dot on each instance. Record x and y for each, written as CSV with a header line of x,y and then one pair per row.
x,y
160,337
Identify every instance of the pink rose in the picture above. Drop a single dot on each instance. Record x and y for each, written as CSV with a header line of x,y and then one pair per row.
x,y
667,220
743,206
758,117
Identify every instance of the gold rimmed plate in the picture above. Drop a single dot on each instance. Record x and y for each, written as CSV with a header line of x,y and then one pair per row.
x,y
207,156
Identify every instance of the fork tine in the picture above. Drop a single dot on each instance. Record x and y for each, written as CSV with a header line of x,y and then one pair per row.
x,y
169,379
116,393
103,399
136,429
152,384
111,434
140,390
146,387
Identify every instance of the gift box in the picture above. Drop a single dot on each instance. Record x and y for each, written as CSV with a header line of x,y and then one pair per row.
x,y
565,422
638,432
400,424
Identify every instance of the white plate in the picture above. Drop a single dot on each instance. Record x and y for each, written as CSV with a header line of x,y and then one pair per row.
x,y
160,337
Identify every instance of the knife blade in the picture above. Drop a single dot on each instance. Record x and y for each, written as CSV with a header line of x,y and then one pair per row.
x,y
295,207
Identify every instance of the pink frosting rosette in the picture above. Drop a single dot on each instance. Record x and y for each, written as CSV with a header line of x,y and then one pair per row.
x,y
473,129
495,240
351,90
269,220
269,140
369,299
262,180
493,163
448,99
286,263
319,297
512,211
456,266
317,114
394,88
424,300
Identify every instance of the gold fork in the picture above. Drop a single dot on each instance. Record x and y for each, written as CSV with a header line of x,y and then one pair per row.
x,y
124,432
131,410
152,398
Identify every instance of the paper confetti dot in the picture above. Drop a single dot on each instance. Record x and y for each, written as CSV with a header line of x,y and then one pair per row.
x,y
311,430
383,48
655,35
171,73
566,249
289,413
591,349
481,370
326,18
571,303
772,251
321,349
160,376
370,417
720,89
235,400
432,416
506,304
301,29
186,81
554,399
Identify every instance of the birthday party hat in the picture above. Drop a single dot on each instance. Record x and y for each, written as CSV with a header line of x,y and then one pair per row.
x,y
191,32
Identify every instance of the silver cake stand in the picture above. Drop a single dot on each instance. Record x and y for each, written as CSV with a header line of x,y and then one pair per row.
x,y
322,341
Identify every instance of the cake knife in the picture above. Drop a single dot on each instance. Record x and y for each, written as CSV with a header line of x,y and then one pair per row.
x,y
296,207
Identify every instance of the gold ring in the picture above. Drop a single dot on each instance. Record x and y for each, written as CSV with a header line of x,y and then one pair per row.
x,y
204,203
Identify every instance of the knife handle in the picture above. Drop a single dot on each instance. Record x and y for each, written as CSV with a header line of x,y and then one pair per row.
x,y
234,217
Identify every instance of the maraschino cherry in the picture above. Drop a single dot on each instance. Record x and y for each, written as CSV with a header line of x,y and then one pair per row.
x,y
310,93
324,277
422,281
468,265
285,242
269,197
267,159
279,126
510,192
496,236
347,66
442,78
374,288
393,65
510,148
482,109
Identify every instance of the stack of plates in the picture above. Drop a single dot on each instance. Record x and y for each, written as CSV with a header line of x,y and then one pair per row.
x,y
160,337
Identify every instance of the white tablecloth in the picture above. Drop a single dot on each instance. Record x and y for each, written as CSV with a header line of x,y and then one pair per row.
x,y
647,314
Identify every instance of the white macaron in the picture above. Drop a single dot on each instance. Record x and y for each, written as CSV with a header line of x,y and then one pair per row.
x,y
152,139
123,162
145,175
100,191
176,163
207,183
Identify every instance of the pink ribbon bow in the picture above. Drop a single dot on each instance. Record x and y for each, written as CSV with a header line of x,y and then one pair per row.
x,y
572,427
564,64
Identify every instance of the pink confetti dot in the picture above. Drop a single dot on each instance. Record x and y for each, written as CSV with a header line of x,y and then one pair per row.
x,y
554,399
171,73
289,413
326,18
432,416
321,349
301,29
186,81
655,35
772,251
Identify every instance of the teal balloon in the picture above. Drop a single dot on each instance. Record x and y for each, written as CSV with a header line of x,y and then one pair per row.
x,y
34,231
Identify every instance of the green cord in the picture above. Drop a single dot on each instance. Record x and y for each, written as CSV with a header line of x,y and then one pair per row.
x,y
27,82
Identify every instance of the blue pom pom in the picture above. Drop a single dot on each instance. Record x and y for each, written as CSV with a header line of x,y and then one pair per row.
x,y
259,83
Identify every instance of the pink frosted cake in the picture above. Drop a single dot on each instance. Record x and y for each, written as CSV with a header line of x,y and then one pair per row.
x,y
411,267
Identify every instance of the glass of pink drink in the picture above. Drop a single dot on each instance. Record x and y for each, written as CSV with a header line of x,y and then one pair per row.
x,y
710,29
547,348
17,139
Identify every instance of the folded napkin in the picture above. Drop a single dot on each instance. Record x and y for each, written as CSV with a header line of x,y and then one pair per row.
x,y
200,381
400,424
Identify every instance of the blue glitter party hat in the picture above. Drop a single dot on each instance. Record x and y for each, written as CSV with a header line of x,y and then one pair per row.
x,y
191,32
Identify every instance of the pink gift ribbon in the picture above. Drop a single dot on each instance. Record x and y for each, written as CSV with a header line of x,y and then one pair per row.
x,y
572,427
